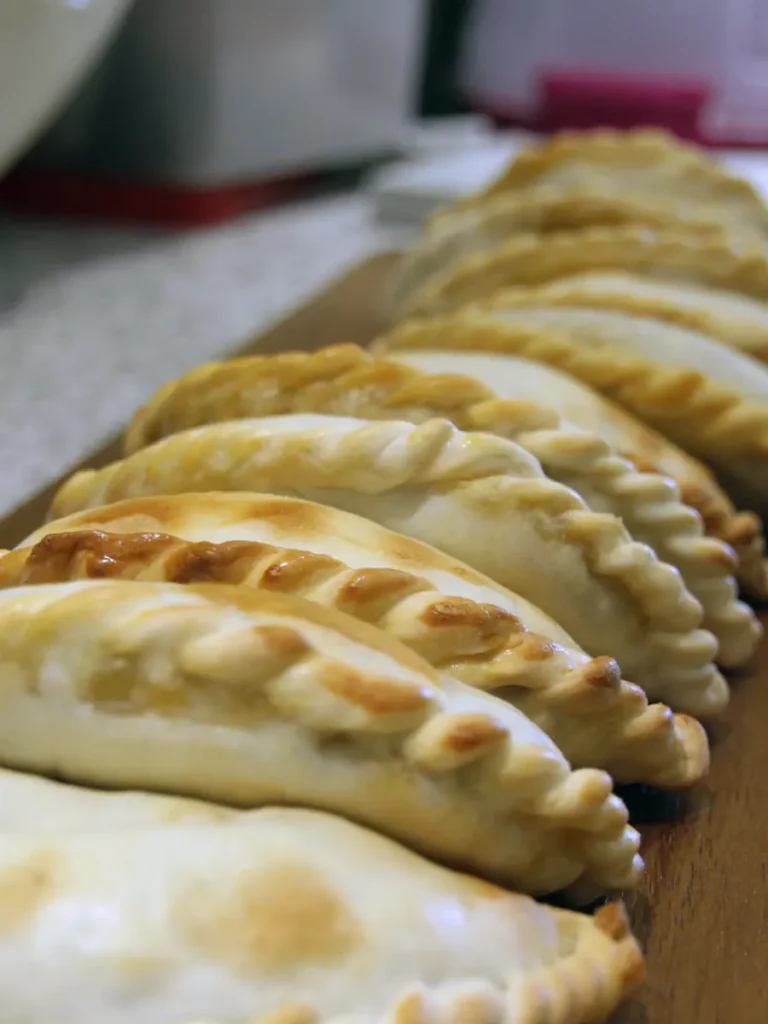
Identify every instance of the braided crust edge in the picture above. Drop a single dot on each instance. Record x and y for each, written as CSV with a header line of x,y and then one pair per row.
x,y
535,259
479,644
479,471
649,504
483,225
468,331
737,332
639,146
226,645
583,986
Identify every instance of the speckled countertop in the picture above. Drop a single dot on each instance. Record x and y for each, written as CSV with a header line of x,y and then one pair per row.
x,y
92,319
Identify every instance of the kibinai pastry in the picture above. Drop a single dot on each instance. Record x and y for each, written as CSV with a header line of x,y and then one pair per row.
x,y
639,162
281,914
479,498
478,227
251,698
670,254
705,396
737,320
595,718
649,505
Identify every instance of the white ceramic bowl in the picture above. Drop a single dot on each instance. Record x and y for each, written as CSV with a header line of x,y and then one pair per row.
x,y
46,46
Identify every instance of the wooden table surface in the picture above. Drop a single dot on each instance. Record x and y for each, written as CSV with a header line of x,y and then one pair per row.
x,y
702,912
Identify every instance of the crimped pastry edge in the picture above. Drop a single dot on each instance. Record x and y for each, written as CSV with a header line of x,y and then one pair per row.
x,y
581,987
530,259
425,726
651,744
653,588
731,331
640,145
540,209
474,328
298,385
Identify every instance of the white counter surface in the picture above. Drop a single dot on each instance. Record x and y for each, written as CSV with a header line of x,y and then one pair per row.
x,y
92,319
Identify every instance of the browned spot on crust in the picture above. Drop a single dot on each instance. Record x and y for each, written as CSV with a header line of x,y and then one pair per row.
x,y
460,611
301,517
91,553
201,561
293,1014
377,695
368,585
26,887
409,1009
471,731
277,920
531,647
294,569
283,642
602,673
612,920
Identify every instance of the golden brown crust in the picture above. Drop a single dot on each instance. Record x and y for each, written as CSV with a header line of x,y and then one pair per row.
x,y
453,234
631,294
648,504
466,332
596,718
475,480
536,259
147,672
661,155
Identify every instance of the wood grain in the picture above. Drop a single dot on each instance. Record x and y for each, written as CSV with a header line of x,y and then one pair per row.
x,y
702,913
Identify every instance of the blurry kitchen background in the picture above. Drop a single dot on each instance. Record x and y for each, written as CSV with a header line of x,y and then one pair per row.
x,y
178,173
200,109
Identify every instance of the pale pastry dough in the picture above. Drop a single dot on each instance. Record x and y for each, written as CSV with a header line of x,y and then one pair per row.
x,y
707,397
455,233
736,320
648,162
595,718
648,504
251,698
670,254
693,408
220,391
273,915
480,498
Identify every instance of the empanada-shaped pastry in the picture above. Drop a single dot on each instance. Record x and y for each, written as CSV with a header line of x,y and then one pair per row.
x,y
707,397
479,498
698,409
480,226
645,162
596,719
649,505
253,698
273,915
670,254
737,320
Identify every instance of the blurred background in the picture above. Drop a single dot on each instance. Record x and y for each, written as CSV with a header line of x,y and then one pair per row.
x,y
176,173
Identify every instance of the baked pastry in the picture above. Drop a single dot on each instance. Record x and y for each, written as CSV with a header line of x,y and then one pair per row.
x,y
231,390
595,718
707,397
479,498
670,254
737,320
251,698
514,377
478,227
713,406
645,162
649,505
273,915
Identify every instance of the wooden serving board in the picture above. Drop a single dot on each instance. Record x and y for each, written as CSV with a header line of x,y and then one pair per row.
x,y
702,913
